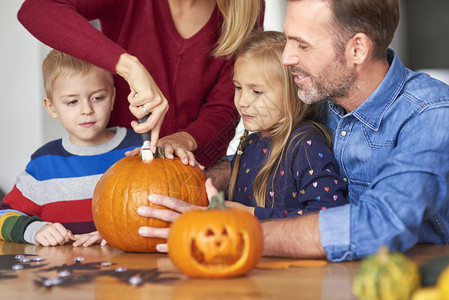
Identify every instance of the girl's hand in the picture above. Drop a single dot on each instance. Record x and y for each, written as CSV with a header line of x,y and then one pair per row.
x,y
88,239
144,92
237,205
52,235
176,144
180,144
212,191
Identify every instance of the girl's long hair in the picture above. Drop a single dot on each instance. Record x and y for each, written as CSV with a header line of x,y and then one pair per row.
x,y
240,18
266,49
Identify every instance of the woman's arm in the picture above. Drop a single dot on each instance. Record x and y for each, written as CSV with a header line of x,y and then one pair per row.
x,y
217,119
64,25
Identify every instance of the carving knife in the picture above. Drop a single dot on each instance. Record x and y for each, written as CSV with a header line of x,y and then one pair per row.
x,y
145,151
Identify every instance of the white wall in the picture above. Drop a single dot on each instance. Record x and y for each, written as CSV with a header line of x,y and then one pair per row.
x,y
20,90
274,19
274,14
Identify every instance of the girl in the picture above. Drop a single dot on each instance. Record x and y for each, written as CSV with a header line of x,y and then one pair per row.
x,y
285,168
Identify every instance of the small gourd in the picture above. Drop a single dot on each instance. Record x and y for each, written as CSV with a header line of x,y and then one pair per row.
x,y
217,242
386,276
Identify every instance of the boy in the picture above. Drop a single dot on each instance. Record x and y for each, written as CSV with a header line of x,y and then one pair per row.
x,y
50,203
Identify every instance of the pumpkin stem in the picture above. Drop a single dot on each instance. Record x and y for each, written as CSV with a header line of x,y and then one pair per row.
x,y
383,255
217,202
160,152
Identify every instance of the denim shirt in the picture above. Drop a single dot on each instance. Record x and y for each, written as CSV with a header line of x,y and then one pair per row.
x,y
393,150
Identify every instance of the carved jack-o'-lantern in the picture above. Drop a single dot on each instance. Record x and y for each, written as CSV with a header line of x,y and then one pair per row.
x,y
216,242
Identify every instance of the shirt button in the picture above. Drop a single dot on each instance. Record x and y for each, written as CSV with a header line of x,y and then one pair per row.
x,y
345,179
343,133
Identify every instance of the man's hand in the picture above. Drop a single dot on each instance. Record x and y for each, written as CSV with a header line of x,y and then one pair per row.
x,y
177,208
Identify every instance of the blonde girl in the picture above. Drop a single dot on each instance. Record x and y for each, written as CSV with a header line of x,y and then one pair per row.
x,y
285,167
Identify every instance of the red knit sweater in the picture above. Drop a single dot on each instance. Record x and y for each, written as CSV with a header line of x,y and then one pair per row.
x,y
198,87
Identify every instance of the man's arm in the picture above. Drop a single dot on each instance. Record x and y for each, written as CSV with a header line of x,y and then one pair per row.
x,y
297,237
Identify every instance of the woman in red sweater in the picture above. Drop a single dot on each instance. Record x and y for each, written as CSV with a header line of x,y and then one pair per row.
x,y
172,58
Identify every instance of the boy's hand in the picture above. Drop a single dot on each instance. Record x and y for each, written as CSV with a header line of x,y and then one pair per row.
x,y
88,239
52,235
134,152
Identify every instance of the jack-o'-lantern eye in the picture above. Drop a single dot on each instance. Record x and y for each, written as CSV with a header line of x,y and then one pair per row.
x,y
217,247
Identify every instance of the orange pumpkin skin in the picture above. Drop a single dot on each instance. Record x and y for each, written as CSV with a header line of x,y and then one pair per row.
x,y
215,243
127,184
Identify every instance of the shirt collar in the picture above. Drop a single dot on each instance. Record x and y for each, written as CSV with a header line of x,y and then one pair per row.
x,y
372,110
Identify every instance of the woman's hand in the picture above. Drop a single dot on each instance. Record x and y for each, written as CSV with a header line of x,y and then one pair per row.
x,y
144,93
52,235
88,239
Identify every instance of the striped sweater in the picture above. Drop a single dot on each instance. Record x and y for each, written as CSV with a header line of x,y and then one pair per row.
x,y
57,186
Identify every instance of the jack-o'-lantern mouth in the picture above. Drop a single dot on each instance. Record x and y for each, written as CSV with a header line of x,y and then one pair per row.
x,y
212,248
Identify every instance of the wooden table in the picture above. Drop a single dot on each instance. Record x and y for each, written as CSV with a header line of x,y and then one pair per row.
x,y
333,281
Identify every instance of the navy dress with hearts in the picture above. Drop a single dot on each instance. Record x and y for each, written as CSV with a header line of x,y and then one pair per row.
x,y
307,178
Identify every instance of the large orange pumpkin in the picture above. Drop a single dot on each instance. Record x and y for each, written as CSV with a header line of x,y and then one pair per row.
x,y
215,243
127,184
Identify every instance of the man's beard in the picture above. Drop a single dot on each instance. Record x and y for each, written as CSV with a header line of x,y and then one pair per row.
x,y
333,82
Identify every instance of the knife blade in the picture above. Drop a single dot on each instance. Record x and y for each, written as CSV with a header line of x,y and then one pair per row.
x,y
145,151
